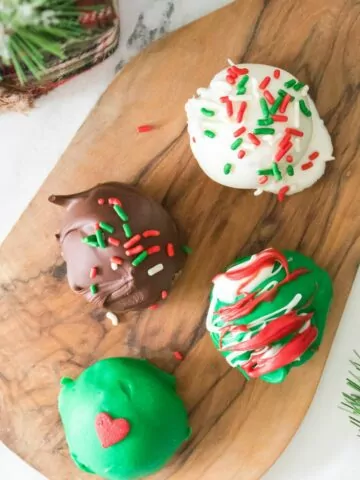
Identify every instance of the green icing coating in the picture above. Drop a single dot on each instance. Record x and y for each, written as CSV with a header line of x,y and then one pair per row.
x,y
131,389
315,288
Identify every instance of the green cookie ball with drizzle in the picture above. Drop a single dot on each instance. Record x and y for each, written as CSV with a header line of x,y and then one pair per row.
x,y
122,249
268,313
122,418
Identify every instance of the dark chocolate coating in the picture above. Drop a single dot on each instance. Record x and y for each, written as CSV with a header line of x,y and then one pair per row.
x,y
128,287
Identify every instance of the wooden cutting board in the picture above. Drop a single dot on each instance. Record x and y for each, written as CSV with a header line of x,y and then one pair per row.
x,y
239,428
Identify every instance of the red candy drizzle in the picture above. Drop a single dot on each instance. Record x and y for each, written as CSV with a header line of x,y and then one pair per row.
x,y
289,323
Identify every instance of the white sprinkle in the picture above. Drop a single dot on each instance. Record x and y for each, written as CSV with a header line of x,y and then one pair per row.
x,y
156,269
230,62
113,318
305,90
255,87
114,266
258,192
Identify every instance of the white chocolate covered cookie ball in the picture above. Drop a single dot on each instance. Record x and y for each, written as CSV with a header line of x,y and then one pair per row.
x,y
256,127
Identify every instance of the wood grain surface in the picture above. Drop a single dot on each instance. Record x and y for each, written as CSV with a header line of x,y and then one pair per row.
x,y
239,428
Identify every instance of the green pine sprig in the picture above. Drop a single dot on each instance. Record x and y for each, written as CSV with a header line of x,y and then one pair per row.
x,y
31,30
351,403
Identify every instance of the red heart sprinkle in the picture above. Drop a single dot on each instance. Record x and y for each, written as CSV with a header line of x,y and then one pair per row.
x,y
111,430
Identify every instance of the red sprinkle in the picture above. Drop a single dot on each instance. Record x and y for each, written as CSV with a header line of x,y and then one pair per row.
x,y
117,260
282,192
284,103
263,179
154,249
241,112
242,328
254,139
144,128
306,166
164,294
285,140
134,251
170,249
239,132
97,226
153,307
289,158
241,153
133,240
313,155
178,356
224,99
294,131
269,97
276,73
282,152
230,79
115,242
229,108
264,83
101,201
279,118
150,233
239,71
114,201
93,272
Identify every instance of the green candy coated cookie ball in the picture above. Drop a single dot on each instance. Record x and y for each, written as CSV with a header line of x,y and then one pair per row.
x,y
122,418
268,313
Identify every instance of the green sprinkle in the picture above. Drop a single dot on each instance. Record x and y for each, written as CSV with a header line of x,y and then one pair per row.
x,y
276,171
207,113
290,83
100,238
93,288
107,227
90,240
236,144
210,133
241,91
243,81
127,230
299,86
139,259
304,108
186,249
264,131
265,121
227,168
121,213
275,106
281,92
92,244
264,107
265,171
290,170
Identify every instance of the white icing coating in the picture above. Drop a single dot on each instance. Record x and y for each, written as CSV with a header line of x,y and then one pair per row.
x,y
213,154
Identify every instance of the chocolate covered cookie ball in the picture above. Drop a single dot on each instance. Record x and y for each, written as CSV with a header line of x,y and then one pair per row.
x,y
122,249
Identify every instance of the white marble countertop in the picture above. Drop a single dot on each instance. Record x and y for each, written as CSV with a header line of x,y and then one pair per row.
x,y
326,445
